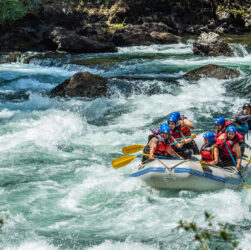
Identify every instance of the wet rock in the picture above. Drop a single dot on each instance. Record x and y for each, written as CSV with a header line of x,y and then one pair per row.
x,y
97,31
12,57
210,44
82,84
47,55
223,15
163,37
69,41
212,71
219,30
248,21
145,34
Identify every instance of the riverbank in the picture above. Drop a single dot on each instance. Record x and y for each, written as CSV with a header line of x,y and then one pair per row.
x,y
80,27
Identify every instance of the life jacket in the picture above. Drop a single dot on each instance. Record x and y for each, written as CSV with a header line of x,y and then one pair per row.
x,y
185,131
206,153
163,146
238,138
176,133
222,131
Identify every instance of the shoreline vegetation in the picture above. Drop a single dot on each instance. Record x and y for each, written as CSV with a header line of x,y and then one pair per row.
x,y
102,25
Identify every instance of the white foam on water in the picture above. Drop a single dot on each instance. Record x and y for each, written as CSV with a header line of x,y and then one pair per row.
x,y
30,84
5,113
84,186
179,48
32,245
14,69
51,128
126,245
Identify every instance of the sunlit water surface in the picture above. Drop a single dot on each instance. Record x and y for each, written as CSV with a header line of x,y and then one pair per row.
x,y
58,189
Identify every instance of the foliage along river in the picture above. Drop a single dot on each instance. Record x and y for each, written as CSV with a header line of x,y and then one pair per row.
x,y
58,189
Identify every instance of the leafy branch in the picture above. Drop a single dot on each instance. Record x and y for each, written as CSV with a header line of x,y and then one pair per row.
x,y
204,236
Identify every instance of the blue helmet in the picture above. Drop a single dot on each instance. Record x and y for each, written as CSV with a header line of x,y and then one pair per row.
x,y
210,136
176,114
231,129
164,128
174,119
220,121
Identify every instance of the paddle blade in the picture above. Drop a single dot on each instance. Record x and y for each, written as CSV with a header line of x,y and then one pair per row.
x,y
132,149
122,161
193,136
246,185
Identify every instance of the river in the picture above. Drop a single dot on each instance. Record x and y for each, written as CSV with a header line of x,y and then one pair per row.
x,y
58,189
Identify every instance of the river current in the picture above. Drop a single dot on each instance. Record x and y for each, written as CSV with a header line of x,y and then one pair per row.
x,y
58,189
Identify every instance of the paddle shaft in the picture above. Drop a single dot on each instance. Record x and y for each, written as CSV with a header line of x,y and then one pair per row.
x,y
239,172
161,157
246,159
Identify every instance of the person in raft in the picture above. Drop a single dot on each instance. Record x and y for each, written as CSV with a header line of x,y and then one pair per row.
x,y
242,120
159,144
209,152
221,126
232,139
177,133
185,127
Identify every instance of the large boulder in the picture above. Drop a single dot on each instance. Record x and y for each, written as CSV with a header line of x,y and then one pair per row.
x,y
69,41
145,34
210,44
212,71
82,84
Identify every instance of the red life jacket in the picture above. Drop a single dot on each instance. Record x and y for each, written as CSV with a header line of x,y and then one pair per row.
x,y
175,133
230,143
185,131
222,131
162,146
206,153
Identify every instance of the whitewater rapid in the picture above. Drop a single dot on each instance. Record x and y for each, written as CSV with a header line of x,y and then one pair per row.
x,y
58,188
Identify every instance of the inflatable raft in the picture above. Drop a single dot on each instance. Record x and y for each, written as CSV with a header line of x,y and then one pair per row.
x,y
190,175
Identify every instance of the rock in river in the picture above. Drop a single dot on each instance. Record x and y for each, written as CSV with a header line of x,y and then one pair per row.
x,y
70,41
210,44
213,71
82,84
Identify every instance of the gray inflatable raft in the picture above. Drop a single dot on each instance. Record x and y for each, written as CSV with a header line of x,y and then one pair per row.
x,y
190,175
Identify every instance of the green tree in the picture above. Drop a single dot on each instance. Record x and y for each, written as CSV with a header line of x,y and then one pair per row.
x,y
12,10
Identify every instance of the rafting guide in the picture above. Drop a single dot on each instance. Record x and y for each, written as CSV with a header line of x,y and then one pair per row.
x,y
171,159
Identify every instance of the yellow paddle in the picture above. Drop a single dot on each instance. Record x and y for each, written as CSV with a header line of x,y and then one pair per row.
x,y
246,159
132,149
135,148
124,160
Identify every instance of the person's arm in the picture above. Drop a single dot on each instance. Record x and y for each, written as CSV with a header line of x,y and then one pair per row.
x,y
185,122
152,144
216,157
222,138
237,150
185,141
241,118
174,154
188,124
178,145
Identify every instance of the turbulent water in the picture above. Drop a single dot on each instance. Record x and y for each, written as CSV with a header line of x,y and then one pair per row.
x,y
58,189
